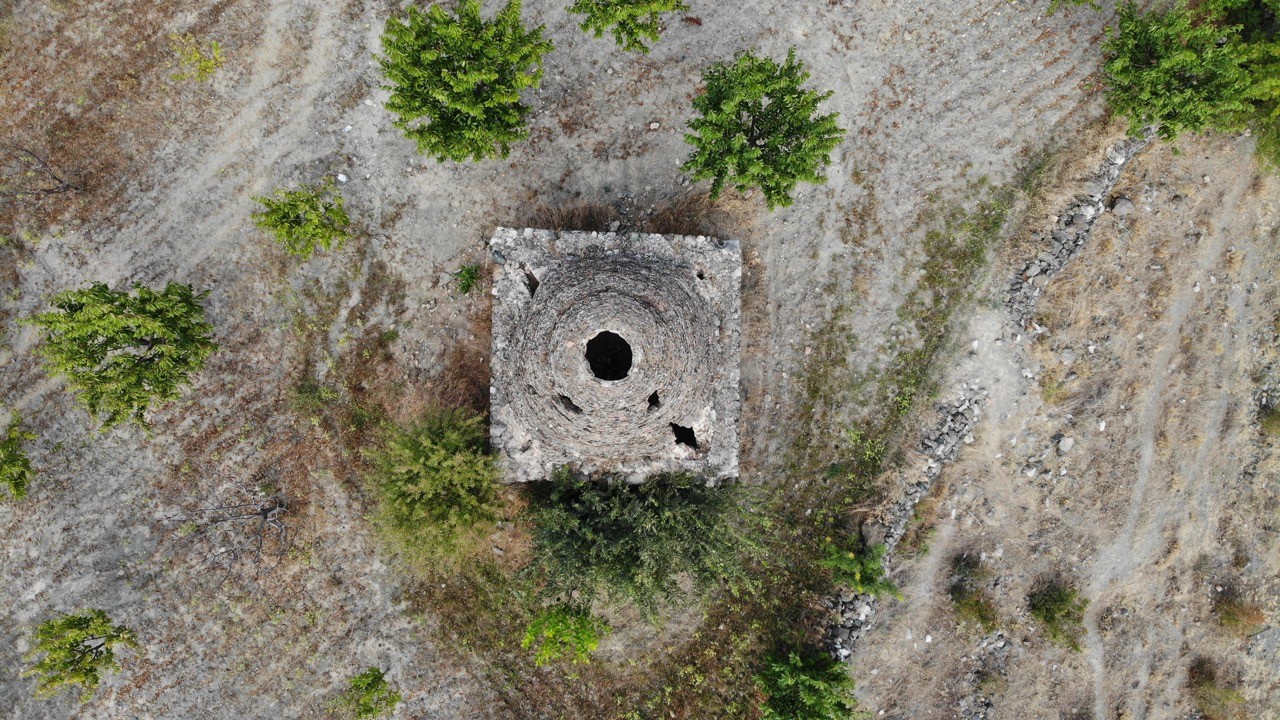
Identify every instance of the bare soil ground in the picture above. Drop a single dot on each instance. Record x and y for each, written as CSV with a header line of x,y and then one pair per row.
x,y
936,97
1149,355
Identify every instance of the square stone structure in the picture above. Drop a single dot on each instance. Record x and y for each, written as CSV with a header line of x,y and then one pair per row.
x,y
615,353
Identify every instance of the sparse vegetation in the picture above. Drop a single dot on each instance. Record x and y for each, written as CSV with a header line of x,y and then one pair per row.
x,y
1214,701
436,488
630,541
968,594
809,687
15,466
861,570
564,631
633,23
76,648
468,277
1235,613
196,61
758,127
1269,420
455,81
304,219
123,351
1060,610
368,696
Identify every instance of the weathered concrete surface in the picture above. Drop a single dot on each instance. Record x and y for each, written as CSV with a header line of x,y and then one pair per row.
x,y
675,300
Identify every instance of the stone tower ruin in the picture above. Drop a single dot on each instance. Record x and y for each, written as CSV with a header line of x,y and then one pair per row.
x,y
615,353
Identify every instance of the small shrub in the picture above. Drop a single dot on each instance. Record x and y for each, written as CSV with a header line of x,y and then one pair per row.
x,y
15,466
634,23
969,598
196,63
77,649
630,541
368,696
563,631
582,215
455,82
813,687
123,351
1269,420
1212,700
302,220
468,278
860,570
1060,609
436,488
760,128
1236,614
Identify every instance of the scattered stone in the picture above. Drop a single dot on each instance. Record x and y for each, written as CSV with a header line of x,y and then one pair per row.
x,y
1065,445
1122,206
654,125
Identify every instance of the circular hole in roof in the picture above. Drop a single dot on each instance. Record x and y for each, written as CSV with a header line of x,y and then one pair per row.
x,y
609,356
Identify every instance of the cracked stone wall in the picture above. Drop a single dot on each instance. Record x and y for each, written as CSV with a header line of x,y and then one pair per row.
x,y
615,353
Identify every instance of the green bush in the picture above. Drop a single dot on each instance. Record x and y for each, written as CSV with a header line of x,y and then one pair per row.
x,y
634,23
123,351
630,541
77,649
15,466
436,488
564,631
302,220
367,696
1172,69
455,82
760,128
861,570
1214,701
468,278
968,596
813,687
1060,609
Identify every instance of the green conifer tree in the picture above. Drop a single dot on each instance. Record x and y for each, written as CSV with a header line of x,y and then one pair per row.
x,y
760,128
455,81
122,351
633,23
76,648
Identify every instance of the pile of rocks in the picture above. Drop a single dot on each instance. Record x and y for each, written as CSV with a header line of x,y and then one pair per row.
x,y
851,613
1071,231
990,659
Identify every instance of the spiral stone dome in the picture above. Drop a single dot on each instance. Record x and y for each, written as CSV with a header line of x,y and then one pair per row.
x,y
615,353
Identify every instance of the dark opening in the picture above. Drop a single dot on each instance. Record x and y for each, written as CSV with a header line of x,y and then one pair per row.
x,y
654,402
531,282
684,436
702,275
609,356
570,405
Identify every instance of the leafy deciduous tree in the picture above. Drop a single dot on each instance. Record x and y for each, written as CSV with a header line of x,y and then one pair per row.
x,y
122,351
455,81
634,23
760,128
1171,69
305,218
77,649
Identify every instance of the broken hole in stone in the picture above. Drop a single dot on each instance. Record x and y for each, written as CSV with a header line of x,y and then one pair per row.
x,y
609,356
570,405
654,402
702,275
531,282
684,436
